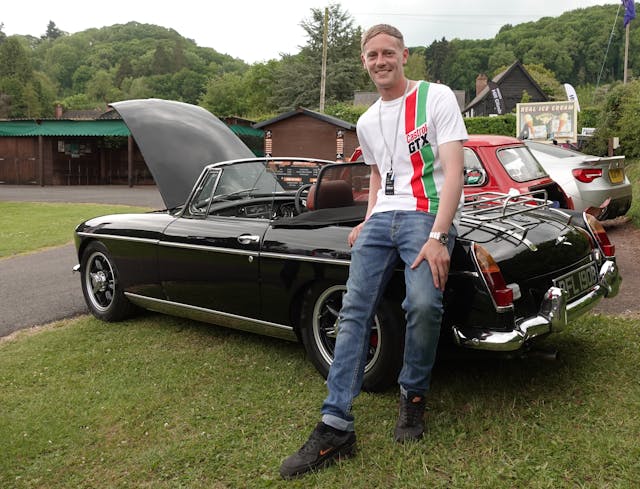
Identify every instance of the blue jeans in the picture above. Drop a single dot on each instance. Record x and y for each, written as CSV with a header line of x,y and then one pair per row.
x,y
385,238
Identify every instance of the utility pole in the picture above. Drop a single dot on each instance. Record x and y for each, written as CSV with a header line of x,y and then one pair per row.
x,y
323,75
626,53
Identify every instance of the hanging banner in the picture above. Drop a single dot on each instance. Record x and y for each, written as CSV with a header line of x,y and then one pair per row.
x,y
498,100
572,95
547,121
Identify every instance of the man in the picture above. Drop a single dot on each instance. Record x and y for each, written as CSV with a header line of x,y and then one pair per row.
x,y
412,138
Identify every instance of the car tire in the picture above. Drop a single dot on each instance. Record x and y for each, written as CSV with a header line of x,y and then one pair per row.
x,y
100,285
319,330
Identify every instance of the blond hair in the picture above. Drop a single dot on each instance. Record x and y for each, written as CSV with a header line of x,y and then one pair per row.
x,y
371,32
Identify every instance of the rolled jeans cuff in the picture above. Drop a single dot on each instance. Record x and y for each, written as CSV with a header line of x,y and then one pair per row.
x,y
338,423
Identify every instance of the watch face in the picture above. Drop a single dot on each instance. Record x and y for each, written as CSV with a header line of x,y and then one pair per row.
x,y
444,238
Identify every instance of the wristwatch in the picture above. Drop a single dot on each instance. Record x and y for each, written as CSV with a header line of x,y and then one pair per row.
x,y
443,238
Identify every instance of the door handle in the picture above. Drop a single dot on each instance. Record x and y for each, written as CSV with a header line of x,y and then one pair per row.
x,y
246,239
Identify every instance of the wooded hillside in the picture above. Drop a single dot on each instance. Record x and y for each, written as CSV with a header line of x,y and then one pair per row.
x,y
97,66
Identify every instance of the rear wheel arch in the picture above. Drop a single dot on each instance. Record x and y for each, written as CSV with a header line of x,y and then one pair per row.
x,y
319,310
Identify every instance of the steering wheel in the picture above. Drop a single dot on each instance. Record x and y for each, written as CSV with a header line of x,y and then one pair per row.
x,y
298,198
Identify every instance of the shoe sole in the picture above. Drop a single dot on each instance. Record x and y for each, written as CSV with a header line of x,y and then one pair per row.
x,y
408,438
343,453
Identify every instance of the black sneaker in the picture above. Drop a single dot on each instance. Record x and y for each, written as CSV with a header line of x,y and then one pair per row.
x,y
410,425
324,446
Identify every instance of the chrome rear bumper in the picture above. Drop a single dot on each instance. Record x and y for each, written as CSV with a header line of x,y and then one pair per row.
x,y
554,314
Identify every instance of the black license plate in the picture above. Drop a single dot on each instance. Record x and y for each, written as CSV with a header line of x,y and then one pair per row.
x,y
578,281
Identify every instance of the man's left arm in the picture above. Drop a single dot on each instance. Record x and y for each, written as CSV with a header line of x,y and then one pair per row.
x,y
452,160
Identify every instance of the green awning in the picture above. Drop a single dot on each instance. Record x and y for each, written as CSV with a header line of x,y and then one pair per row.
x,y
64,128
246,131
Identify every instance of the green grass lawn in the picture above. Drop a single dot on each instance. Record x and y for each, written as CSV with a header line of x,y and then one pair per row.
x,y
27,226
158,402
165,403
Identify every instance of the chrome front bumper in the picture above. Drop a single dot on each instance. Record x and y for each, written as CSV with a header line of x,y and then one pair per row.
x,y
554,314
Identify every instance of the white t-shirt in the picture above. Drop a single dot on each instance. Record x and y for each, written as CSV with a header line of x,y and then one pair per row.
x,y
430,116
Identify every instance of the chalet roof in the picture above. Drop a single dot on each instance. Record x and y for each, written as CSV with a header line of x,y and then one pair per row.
x,y
302,111
109,124
57,127
499,79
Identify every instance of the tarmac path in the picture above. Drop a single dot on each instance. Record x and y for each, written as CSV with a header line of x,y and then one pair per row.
x,y
38,288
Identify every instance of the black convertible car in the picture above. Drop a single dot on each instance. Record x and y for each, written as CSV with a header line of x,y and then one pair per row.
x,y
260,244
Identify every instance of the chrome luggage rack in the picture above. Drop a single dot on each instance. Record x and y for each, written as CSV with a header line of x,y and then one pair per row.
x,y
485,208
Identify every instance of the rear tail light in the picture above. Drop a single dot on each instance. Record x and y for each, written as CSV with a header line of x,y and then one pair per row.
x,y
587,175
502,295
600,234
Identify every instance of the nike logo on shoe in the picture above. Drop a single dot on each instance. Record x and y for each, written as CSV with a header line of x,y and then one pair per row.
x,y
324,451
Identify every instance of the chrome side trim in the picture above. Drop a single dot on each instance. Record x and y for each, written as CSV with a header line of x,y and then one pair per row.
x,y
118,237
282,256
214,317
554,315
215,249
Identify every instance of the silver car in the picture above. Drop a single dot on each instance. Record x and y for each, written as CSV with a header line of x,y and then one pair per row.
x,y
594,183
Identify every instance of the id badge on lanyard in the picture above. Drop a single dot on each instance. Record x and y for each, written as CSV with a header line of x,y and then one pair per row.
x,y
388,184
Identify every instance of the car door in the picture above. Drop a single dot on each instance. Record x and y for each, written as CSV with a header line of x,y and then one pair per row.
x,y
212,263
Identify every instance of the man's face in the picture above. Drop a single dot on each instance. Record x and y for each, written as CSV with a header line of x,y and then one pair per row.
x,y
384,59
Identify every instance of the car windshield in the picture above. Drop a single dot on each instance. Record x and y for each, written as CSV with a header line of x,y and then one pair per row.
x,y
520,164
243,179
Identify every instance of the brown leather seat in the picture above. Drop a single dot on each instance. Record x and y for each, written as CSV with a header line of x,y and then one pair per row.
x,y
329,194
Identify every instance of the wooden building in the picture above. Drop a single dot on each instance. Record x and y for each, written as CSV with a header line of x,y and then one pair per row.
x,y
305,133
70,152
512,82
83,148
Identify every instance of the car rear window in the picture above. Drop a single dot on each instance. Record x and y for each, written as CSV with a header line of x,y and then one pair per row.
x,y
520,164
553,150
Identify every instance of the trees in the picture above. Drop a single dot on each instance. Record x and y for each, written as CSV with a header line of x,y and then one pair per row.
x,y
619,118
299,75
135,60
53,32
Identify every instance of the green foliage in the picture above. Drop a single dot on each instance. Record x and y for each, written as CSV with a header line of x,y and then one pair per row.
x,y
53,32
98,66
299,76
547,81
137,60
416,67
223,96
346,111
620,117
588,116
504,125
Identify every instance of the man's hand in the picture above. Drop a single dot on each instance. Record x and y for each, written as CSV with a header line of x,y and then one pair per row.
x,y
355,232
437,256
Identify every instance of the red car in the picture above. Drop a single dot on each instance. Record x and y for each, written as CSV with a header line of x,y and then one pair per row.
x,y
505,165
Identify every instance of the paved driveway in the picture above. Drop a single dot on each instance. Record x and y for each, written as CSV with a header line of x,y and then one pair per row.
x,y
39,288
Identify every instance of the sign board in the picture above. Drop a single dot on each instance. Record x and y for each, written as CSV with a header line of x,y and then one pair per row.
x,y
547,121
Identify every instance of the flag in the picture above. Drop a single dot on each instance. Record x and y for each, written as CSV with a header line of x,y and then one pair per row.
x,y
629,11
497,97
572,95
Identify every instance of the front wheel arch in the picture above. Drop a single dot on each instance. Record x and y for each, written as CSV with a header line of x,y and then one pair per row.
x,y
100,284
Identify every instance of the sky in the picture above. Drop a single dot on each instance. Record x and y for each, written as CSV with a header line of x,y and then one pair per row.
x,y
259,30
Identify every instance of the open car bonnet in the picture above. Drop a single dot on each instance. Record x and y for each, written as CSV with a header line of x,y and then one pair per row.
x,y
177,140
